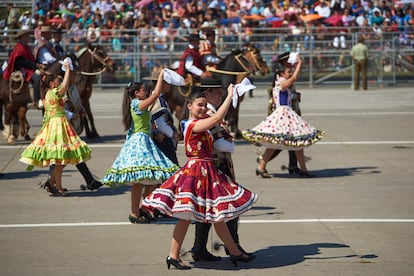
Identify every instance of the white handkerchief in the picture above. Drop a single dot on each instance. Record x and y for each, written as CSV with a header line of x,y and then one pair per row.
x,y
171,77
70,64
241,88
293,58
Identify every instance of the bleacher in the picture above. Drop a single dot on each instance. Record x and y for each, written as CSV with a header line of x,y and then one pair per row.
x,y
17,3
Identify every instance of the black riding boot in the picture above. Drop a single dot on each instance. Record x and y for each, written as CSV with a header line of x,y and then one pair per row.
x,y
91,183
293,162
233,226
199,251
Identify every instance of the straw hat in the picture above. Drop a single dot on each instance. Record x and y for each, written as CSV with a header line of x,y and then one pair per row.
x,y
22,33
45,29
154,76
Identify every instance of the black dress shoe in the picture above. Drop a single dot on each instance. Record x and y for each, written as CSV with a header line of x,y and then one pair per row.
x,y
241,258
205,256
94,185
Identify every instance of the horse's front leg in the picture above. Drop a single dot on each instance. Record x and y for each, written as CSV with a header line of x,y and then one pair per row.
x,y
236,118
91,133
11,130
1,116
24,125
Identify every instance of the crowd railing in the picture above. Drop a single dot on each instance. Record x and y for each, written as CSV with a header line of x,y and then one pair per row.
x,y
326,54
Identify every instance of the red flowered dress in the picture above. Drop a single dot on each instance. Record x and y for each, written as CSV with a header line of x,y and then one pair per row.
x,y
56,142
198,191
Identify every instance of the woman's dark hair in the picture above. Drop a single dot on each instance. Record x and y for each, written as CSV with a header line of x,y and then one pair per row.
x,y
196,94
278,69
50,78
129,94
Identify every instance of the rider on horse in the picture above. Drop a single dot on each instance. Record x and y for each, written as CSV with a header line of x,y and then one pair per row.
x,y
191,61
21,58
44,54
208,48
20,67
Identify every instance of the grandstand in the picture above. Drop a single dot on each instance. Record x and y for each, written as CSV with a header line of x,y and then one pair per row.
x,y
17,3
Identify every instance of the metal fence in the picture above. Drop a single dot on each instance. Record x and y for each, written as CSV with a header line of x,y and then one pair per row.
x,y
326,61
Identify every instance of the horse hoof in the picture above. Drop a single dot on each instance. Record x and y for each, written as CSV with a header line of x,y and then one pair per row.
x,y
27,137
5,134
11,140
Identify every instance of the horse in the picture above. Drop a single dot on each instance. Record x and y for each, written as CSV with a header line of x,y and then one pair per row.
x,y
89,62
233,68
244,63
14,98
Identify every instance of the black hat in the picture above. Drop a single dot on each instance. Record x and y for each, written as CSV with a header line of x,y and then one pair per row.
x,y
194,36
210,83
283,56
208,31
57,31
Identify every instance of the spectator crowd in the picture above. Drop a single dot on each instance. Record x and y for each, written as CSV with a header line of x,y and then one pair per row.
x,y
161,25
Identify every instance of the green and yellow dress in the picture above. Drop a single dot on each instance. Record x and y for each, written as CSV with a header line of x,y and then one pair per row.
x,y
56,142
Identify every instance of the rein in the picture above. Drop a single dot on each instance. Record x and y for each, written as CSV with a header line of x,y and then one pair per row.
x,y
237,57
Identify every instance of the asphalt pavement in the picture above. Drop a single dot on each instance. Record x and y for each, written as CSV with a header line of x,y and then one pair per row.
x,y
356,217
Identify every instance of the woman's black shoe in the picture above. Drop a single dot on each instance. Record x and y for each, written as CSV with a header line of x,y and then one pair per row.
x,y
146,216
205,256
241,258
306,174
59,193
133,219
177,263
48,187
263,174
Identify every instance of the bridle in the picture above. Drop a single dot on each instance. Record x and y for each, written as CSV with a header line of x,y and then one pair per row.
x,y
253,56
95,58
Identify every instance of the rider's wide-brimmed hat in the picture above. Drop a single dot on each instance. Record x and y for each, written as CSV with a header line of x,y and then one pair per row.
x,y
170,77
22,33
208,30
45,29
58,31
283,56
206,83
194,36
154,76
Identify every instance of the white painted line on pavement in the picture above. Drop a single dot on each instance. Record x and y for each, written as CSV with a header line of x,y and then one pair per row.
x,y
319,143
80,224
118,145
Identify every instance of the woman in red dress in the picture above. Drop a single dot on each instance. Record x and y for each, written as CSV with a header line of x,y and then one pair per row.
x,y
198,191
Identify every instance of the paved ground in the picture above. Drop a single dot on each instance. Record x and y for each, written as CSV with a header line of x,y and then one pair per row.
x,y
355,218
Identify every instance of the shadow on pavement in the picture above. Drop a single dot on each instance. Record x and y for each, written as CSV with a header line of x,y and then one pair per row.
x,y
278,256
335,172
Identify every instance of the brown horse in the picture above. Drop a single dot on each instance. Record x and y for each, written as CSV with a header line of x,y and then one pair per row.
x,y
233,68
14,98
89,61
